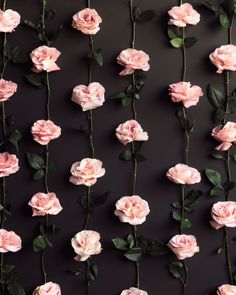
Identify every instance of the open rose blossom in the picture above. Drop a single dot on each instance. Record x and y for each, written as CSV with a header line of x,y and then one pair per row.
x,y
86,172
85,244
7,89
132,210
45,131
185,93
48,289
224,58
183,15
9,241
89,97
132,60
45,204
226,290
183,174
9,20
87,21
223,214
226,135
133,291
44,59
9,164
130,131
183,246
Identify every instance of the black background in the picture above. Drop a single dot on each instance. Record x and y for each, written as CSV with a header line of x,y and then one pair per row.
x,y
156,113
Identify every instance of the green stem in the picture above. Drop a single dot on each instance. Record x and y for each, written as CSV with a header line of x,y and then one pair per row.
x,y
227,90
131,3
87,207
133,98
136,263
4,58
135,168
227,252
43,255
48,95
185,282
229,175
90,119
46,169
230,41
184,56
88,3
3,200
43,18
182,206
87,276
4,120
180,2
91,60
186,138
2,274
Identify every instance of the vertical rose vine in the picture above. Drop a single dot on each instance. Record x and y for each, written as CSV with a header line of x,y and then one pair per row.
x,y
223,212
183,245
43,131
86,172
132,209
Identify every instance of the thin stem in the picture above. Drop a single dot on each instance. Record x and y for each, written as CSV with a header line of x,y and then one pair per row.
x,y
46,169
90,119
227,90
184,70
4,120
87,276
88,3
182,206
187,139
43,18
229,176
91,60
230,31
2,275
87,207
180,2
185,282
131,3
135,168
3,200
228,256
43,255
136,263
4,58
133,98
48,95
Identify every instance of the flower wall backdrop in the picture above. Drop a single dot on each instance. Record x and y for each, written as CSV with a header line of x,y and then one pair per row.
x,y
115,75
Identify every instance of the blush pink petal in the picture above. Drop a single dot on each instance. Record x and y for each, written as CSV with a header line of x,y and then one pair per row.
x,y
183,174
183,15
226,290
226,135
48,289
216,225
9,164
133,291
224,213
7,89
224,58
9,20
43,131
9,241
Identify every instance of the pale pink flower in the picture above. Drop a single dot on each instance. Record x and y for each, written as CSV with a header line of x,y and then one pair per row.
x,y
133,291
224,58
9,20
9,241
223,214
48,289
226,290
183,15
183,174
7,89
226,135
9,164
43,131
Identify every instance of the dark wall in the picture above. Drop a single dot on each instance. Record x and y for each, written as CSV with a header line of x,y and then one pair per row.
x,y
156,113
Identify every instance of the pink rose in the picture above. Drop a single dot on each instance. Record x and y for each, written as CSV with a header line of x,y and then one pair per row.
x,y
226,290
224,58
132,209
87,21
44,59
133,291
132,60
45,131
183,246
185,93
45,204
7,89
9,241
9,20
226,135
89,97
223,214
183,174
48,288
9,164
86,172
183,15
130,131
85,244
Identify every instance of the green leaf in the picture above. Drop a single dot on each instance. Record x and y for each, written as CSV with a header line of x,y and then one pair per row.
x,y
30,24
176,205
217,191
120,244
126,101
39,243
50,15
233,157
215,96
214,177
219,250
93,272
232,106
218,155
174,33
38,174
176,42
224,19
8,268
219,115
130,240
36,80
176,216
146,16
136,13
118,95
134,254
229,6
185,223
177,270
14,288
35,161
17,57
190,41
126,155
96,55
14,138
192,198
153,247
210,6
140,157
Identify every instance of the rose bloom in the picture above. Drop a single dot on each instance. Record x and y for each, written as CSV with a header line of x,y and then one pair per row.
x,y
226,290
224,58
133,291
45,131
130,131
86,172
223,214
132,209
44,59
9,20
9,164
7,89
226,135
89,97
87,21
48,288
85,244
183,246
183,15
132,60
9,241
183,174
45,204
185,93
